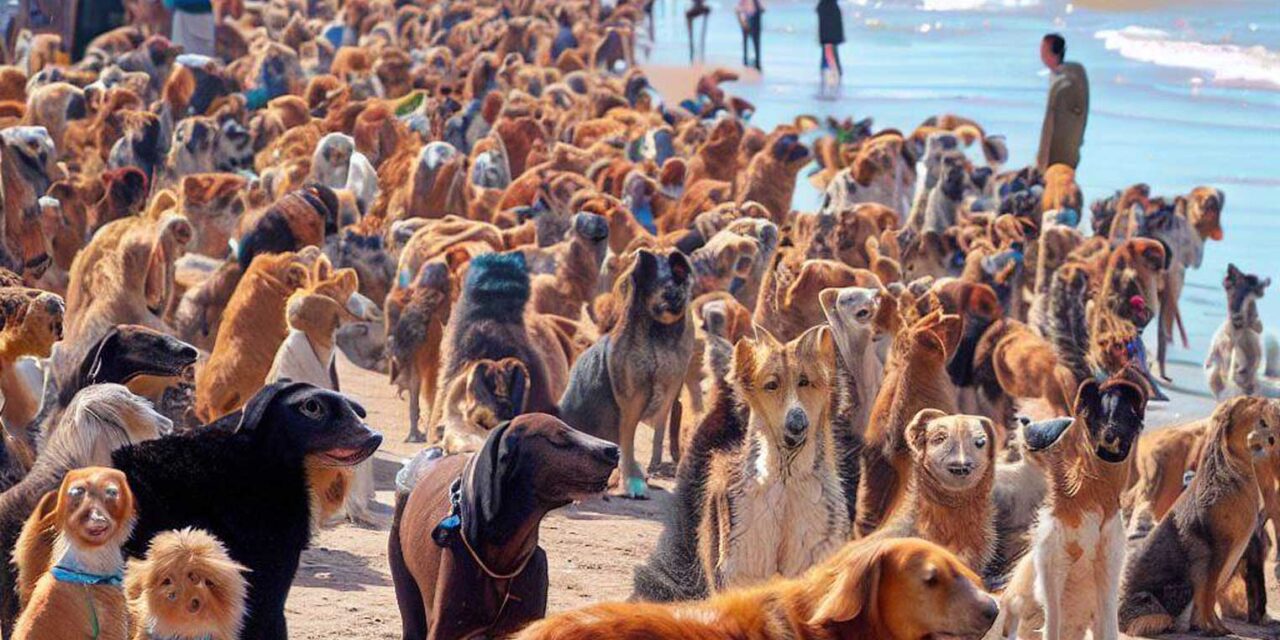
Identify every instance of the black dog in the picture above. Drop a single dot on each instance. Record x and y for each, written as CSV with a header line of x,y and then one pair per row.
x,y
243,479
464,544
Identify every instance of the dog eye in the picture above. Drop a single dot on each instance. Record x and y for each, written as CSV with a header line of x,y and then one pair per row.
x,y
76,492
980,442
803,382
112,492
312,409
771,385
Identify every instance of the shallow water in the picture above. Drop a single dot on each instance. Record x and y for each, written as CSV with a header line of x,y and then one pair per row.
x,y
1212,121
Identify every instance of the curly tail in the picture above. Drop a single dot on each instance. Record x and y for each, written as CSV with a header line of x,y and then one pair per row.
x,y
1068,328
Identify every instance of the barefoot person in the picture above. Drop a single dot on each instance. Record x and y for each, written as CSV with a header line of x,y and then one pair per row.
x,y
749,14
831,36
1067,112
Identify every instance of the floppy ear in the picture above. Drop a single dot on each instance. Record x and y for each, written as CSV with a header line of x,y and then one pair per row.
x,y
918,429
487,473
1088,399
818,342
1132,393
261,401
853,587
518,382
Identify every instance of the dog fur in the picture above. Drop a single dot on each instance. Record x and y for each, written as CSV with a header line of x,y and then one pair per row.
x,y
186,588
1235,354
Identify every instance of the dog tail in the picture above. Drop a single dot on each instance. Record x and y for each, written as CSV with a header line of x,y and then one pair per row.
x,y
1273,356
1068,327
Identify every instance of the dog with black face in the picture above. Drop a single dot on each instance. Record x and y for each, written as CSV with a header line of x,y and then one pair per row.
x,y
472,517
243,479
634,372
1070,582
1235,355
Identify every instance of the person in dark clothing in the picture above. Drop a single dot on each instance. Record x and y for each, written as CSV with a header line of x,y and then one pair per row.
x,y
831,36
1067,109
699,9
749,14
564,36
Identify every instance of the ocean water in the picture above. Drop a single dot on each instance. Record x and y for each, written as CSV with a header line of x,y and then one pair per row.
x,y
1182,93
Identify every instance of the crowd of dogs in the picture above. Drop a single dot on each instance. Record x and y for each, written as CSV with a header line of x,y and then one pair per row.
x,y
487,202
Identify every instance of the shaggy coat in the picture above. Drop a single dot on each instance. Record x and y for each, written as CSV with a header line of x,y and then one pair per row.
x,y
187,587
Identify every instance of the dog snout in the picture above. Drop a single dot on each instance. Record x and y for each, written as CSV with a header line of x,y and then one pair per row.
x,y
796,425
961,469
989,611
611,454
1110,439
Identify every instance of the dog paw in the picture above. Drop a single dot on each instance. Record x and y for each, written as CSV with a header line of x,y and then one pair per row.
x,y
636,489
662,470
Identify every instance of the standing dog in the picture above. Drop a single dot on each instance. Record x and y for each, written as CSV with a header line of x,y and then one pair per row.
x,y
888,590
187,588
80,595
634,372
1194,220
464,544
775,505
1235,354
1192,553
1070,581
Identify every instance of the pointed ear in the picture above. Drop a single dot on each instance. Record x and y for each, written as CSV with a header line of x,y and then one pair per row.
x,y
762,335
827,298
948,330
989,428
680,267
1088,399
818,342
297,276
744,361
853,586
918,429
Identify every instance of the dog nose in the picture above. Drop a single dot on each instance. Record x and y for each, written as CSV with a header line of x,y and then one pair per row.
x,y
611,454
990,611
961,469
1110,439
797,422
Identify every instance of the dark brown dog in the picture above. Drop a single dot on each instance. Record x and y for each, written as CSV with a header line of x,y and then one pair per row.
x,y
464,544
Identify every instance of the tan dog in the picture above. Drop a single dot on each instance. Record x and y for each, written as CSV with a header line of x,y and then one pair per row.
x,y
187,588
949,498
915,378
770,177
93,515
776,506
30,322
888,590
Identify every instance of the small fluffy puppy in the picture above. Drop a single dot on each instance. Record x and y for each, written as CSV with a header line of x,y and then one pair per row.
x,y
80,595
187,588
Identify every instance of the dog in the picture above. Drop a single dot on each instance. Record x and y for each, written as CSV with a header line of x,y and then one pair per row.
x,y
187,588
1069,582
243,479
635,371
949,498
80,595
30,324
1195,219
886,590
27,169
99,420
338,165
1192,553
915,378
776,505
856,316
464,549
770,177
1235,354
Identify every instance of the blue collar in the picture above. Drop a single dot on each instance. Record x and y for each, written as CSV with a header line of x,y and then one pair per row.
x,y
63,574
151,633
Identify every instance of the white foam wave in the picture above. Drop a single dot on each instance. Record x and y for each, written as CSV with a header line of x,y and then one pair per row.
x,y
1230,64
975,5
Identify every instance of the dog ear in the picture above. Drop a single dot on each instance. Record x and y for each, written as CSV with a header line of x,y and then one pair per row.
x,y
818,342
828,298
918,428
1233,275
257,407
989,428
105,351
854,586
487,473
744,360
680,267
1088,399
1131,392
518,382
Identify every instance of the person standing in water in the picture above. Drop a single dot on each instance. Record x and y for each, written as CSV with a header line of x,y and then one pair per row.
x,y
749,14
1067,111
831,36
698,9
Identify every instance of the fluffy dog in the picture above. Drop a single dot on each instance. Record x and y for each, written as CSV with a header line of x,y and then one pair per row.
x,y
243,480
776,505
915,378
1235,355
949,497
1193,552
92,515
469,528
1069,583
889,590
634,372
187,588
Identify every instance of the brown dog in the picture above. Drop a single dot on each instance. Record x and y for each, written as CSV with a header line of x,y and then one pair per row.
x,y
93,514
888,590
1190,555
464,544
187,588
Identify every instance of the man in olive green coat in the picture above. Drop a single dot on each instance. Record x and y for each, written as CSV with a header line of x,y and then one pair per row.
x,y
1067,112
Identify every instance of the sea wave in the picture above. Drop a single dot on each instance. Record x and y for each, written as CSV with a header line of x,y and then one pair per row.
x,y
975,5
1230,64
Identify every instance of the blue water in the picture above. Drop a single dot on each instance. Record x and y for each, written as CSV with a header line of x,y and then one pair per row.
x,y
1173,128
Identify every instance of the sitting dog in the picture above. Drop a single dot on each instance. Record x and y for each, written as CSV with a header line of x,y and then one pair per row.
x,y
949,497
187,588
1193,551
464,543
888,590
243,479
775,505
634,372
79,596
1069,583
1235,355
